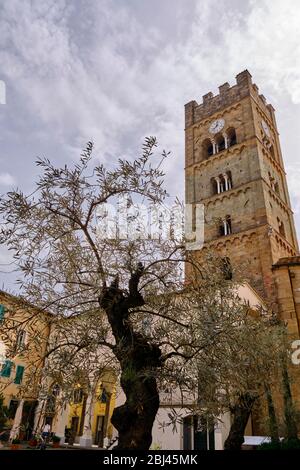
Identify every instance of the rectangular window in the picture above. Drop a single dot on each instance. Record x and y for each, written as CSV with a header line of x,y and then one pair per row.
x,y
6,368
104,396
2,311
77,395
13,405
21,338
19,375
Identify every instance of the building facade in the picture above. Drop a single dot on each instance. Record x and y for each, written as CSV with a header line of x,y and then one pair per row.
x,y
24,336
34,399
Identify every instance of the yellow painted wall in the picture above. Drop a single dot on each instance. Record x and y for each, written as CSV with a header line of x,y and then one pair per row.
x,y
36,325
75,409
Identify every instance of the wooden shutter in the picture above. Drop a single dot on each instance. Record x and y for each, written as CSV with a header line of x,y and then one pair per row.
x,y
19,375
2,311
6,368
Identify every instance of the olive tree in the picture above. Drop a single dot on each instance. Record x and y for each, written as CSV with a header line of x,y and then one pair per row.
x,y
239,362
136,311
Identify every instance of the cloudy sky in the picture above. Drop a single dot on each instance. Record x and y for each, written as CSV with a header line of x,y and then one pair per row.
x,y
114,71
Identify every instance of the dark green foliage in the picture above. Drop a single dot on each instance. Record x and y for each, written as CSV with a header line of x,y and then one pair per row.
x,y
286,444
269,446
16,441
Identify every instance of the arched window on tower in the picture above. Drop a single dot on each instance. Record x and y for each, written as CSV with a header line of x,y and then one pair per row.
x,y
225,226
231,137
281,228
218,184
222,183
215,185
220,142
207,148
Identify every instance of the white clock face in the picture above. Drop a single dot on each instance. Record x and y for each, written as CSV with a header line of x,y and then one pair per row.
x,y
265,128
216,126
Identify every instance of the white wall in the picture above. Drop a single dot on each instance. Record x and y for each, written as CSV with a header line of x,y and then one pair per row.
x,y
167,437
170,438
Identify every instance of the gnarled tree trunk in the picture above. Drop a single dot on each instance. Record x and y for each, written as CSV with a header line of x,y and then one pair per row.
x,y
139,361
241,412
134,419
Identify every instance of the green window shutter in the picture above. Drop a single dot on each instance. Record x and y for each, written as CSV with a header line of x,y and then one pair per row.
x,y
6,368
19,375
2,311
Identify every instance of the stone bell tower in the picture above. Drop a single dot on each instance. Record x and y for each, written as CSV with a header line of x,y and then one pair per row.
x,y
234,167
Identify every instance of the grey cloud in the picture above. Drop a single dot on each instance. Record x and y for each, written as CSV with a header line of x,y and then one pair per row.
x,y
115,71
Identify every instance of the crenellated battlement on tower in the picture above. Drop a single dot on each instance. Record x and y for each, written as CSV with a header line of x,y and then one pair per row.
x,y
227,96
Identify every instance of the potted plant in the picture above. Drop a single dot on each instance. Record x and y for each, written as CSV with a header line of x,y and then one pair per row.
x,y
33,441
15,443
55,441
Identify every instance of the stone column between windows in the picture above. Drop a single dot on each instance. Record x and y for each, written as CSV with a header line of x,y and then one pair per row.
x,y
225,141
17,421
217,179
225,225
225,176
229,182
